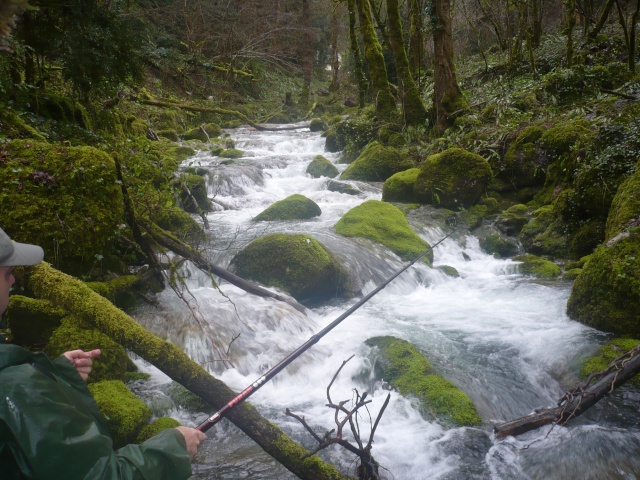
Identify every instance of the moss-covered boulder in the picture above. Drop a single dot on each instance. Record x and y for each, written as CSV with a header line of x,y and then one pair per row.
x,y
606,295
110,365
298,264
571,274
493,242
65,199
196,134
625,208
559,139
317,125
537,267
341,187
522,165
449,271
511,221
294,207
126,414
399,187
452,179
545,234
193,193
32,321
607,354
377,163
231,153
322,167
155,427
212,129
385,224
407,370
169,134
178,222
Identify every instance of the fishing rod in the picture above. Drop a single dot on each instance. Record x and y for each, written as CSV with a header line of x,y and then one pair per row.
x,y
251,389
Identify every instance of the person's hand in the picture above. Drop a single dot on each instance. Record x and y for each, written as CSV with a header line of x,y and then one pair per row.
x,y
193,437
82,361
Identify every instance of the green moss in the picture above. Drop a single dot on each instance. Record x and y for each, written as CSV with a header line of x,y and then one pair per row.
x,y
407,370
126,414
317,125
449,271
196,134
169,134
377,163
572,274
399,187
545,234
65,199
13,126
113,287
298,264
607,354
155,427
32,321
385,224
135,376
513,219
294,207
321,167
538,267
452,179
496,244
178,222
216,151
293,451
522,165
193,193
625,207
559,139
112,363
212,129
606,295
232,153
473,216
139,127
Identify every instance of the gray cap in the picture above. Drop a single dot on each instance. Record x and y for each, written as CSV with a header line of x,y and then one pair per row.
x,y
14,254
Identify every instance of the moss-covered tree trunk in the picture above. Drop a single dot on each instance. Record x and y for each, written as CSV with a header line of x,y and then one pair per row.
x,y
358,70
385,103
307,53
569,25
416,38
335,58
414,110
602,19
447,98
73,295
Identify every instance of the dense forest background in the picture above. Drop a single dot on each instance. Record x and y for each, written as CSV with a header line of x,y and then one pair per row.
x,y
100,102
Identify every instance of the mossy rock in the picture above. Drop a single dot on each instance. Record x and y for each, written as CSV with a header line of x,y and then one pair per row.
x,y
139,127
385,224
322,167
399,187
606,295
32,321
213,130
522,164
298,264
169,135
586,238
473,216
511,221
193,193
332,143
180,223
377,163
110,365
571,274
545,234
537,267
407,370
607,354
232,153
625,208
495,243
126,414
341,187
155,427
452,179
317,125
216,151
13,126
449,271
559,139
196,134
294,207
65,199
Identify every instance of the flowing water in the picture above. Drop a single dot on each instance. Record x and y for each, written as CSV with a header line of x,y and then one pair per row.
x,y
501,337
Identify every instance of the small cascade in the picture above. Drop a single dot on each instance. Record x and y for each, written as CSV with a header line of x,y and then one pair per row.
x,y
501,337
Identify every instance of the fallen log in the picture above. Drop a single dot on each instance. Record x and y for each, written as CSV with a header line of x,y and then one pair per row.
x,y
166,240
219,111
73,295
576,401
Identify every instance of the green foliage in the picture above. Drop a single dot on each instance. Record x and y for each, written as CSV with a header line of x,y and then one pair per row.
x,y
406,369
625,207
385,224
294,207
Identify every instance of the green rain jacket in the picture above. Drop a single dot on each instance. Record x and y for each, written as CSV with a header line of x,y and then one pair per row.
x,y
51,428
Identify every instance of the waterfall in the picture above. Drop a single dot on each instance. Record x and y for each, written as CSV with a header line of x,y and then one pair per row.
x,y
501,337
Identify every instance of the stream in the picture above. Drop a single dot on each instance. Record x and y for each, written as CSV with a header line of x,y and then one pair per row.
x,y
501,337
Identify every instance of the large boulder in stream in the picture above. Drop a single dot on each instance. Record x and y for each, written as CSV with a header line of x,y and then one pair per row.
x,y
385,224
377,163
453,179
298,264
406,369
399,187
322,167
294,207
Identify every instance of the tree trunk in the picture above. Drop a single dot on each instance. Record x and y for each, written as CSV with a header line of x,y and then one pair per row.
x,y
572,405
416,38
72,294
361,81
385,103
570,23
414,111
602,19
536,23
307,53
335,59
447,97
632,38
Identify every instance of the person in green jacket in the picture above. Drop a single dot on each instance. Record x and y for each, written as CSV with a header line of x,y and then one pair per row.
x,y
50,426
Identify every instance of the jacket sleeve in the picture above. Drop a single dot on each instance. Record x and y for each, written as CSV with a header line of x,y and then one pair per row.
x,y
58,434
